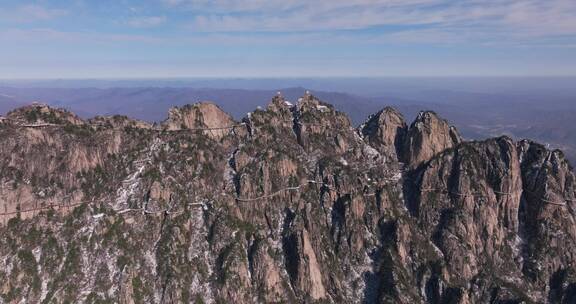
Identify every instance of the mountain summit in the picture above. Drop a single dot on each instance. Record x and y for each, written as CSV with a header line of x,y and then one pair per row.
x,y
290,205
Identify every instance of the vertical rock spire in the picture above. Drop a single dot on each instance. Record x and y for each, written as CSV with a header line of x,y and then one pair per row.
x,y
427,136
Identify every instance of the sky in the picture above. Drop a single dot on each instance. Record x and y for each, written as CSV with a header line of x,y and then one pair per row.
x,y
78,39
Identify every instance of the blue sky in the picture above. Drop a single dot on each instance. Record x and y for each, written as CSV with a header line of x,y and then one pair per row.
x,y
289,38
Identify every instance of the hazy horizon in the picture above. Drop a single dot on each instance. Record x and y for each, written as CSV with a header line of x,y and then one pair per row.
x,y
469,83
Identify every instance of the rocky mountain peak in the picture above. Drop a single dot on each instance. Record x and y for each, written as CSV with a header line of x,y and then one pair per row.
x,y
281,106
203,115
317,122
427,136
279,102
309,103
385,131
42,114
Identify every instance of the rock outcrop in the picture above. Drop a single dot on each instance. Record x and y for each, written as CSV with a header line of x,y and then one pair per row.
x,y
386,132
118,122
290,205
41,114
319,122
548,221
200,116
427,136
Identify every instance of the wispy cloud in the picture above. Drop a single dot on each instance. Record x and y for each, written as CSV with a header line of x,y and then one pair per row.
x,y
36,35
288,37
146,21
515,18
31,13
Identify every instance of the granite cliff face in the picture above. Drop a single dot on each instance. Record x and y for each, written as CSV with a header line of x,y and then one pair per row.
x,y
290,205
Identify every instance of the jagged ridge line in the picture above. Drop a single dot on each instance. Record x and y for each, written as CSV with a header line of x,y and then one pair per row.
x,y
205,129
46,125
155,129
